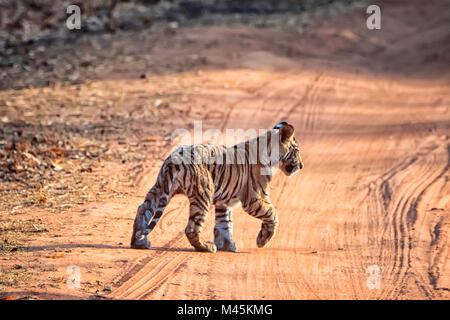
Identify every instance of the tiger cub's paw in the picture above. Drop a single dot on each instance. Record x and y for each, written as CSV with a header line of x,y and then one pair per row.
x,y
228,246
264,237
141,243
224,242
206,246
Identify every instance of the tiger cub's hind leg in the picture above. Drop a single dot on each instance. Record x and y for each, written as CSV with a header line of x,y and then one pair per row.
x,y
223,229
197,218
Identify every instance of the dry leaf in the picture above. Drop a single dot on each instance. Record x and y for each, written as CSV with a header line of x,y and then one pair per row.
x,y
56,256
42,197
58,151
31,157
149,139
56,167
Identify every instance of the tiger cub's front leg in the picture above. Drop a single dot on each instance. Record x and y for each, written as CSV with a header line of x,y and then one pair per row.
x,y
223,229
264,210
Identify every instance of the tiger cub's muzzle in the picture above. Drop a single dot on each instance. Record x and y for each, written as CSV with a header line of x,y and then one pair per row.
x,y
293,167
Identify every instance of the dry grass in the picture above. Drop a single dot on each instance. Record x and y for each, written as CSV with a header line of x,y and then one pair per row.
x,y
13,231
12,235
13,276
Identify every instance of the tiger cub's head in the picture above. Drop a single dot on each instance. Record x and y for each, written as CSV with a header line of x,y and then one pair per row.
x,y
290,159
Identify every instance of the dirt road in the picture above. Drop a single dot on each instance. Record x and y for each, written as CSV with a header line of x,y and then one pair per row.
x,y
374,191
371,112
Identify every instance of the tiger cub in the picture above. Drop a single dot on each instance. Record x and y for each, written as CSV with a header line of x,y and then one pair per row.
x,y
222,176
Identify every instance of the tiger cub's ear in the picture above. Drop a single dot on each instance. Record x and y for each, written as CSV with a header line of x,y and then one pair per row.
x,y
286,132
278,126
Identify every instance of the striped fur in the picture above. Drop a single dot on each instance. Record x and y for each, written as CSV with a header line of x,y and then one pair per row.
x,y
223,177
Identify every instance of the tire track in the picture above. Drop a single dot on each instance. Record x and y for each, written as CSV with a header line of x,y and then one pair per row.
x,y
154,271
399,193
439,244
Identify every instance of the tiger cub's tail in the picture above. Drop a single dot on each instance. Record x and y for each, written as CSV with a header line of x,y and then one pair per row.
x,y
151,210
